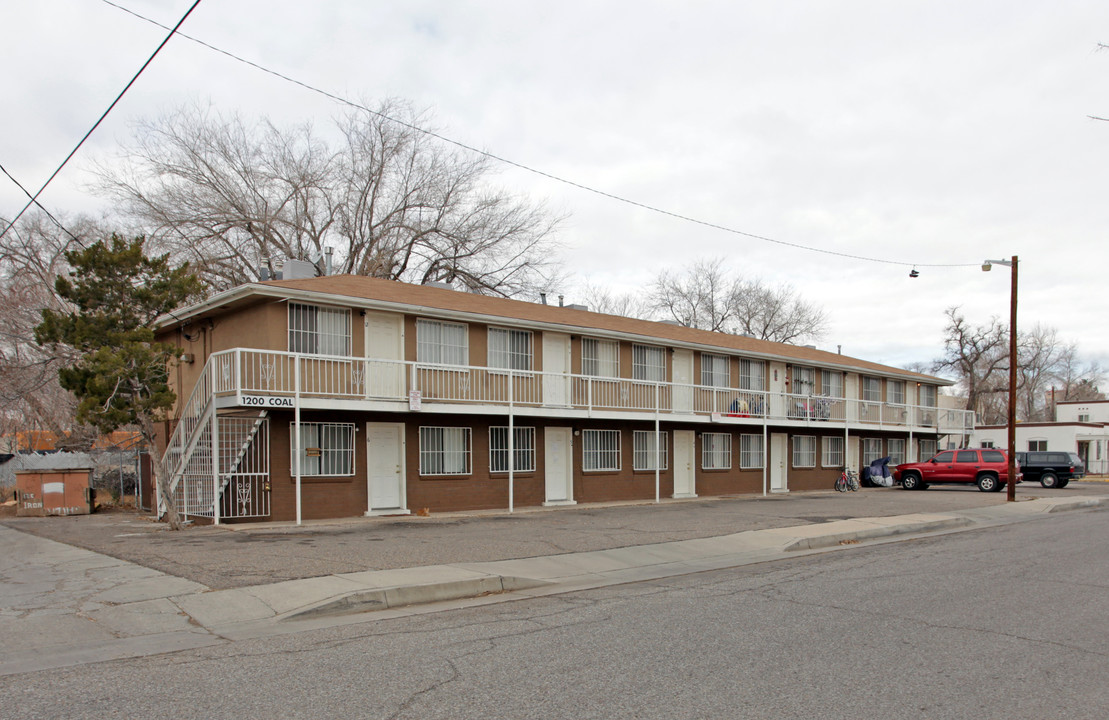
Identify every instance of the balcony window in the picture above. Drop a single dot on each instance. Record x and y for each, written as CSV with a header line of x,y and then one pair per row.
x,y
600,450
752,375
644,455
831,383
832,452
441,343
895,392
523,449
928,396
715,371
648,363
510,349
872,389
804,451
804,381
716,451
318,330
326,449
750,452
600,358
444,451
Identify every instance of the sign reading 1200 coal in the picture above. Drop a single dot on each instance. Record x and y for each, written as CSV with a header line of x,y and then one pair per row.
x,y
267,401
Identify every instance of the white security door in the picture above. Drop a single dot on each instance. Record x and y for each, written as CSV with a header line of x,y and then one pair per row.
x,y
557,465
385,355
776,383
685,463
385,466
779,444
683,380
556,369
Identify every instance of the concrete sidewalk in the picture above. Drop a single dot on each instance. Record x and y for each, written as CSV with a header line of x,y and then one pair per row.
x,y
62,606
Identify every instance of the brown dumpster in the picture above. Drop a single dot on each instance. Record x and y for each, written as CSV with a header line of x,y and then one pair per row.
x,y
54,492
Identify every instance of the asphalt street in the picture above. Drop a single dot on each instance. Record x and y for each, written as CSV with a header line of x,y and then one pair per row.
x,y
1002,622
222,557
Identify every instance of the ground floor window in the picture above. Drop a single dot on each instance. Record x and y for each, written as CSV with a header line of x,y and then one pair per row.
x,y
987,443
750,451
872,450
832,452
523,449
804,451
716,451
600,450
444,451
644,455
928,448
896,449
1037,445
326,449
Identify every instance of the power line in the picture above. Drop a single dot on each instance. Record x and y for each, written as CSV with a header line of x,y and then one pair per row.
x,y
40,207
535,171
73,152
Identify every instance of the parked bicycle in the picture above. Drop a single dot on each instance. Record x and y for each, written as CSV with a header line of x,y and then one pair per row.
x,y
847,480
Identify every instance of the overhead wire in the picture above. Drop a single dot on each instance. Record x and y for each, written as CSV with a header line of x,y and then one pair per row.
x,y
34,198
40,207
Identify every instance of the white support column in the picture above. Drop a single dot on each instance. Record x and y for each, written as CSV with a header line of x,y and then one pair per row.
x,y
215,465
511,444
296,432
658,446
765,450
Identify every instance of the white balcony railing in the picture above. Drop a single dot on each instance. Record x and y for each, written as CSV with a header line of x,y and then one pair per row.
x,y
280,374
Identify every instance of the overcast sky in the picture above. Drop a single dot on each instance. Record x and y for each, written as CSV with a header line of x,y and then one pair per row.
x,y
922,133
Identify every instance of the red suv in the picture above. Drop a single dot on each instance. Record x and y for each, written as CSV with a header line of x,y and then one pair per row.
x,y
988,468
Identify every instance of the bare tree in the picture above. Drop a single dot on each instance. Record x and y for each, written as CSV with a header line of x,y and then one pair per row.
x,y
231,197
775,313
977,357
1041,355
602,300
1078,381
697,296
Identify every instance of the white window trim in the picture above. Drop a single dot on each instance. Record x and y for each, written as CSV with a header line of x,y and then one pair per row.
x,y
897,457
496,358
711,453
891,386
797,383
711,376
825,375
828,455
863,451
798,452
745,452
643,458
466,450
322,315
603,442
326,454
863,382
644,370
439,345
528,452
602,364
746,376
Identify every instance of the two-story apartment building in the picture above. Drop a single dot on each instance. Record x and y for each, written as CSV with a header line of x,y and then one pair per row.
x,y
344,395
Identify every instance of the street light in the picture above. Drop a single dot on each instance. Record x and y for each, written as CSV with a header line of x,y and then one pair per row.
x,y
1012,484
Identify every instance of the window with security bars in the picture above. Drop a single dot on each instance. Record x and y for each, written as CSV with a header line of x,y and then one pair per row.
x,y
831,383
600,358
927,396
600,450
716,451
752,375
928,448
644,455
872,450
318,330
444,451
804,381
648,363
715,371
510,349
750,452
441,343
895,392
895,448
804,451
872,389
832,452
326,449
523,449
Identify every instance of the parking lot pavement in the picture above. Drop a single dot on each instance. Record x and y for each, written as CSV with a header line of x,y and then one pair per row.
x,y
246,555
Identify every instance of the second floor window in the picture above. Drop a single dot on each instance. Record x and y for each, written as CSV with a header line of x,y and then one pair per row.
x,y
649,363
319,330
714,370
831,383
872,389
441,343
927,395
895,392
509,349
600,358
804,381
752,375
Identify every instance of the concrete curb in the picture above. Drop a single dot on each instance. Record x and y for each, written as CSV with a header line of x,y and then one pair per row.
x,y
848,535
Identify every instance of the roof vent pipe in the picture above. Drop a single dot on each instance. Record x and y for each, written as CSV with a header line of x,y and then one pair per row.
x,y
543,298
560,301
327,260
839,349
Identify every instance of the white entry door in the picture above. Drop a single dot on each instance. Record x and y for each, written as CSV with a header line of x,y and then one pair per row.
x,y
385,355
685,463
556,369
779,457
558,465
683,380
385,467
